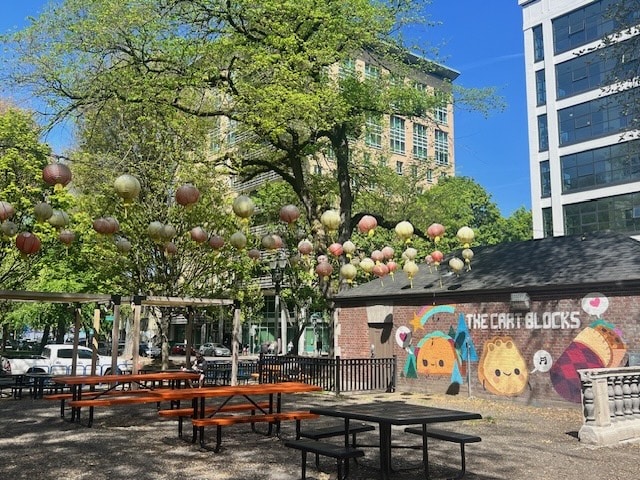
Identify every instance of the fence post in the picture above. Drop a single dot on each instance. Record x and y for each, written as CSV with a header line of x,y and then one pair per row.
x,y
337,379
394,373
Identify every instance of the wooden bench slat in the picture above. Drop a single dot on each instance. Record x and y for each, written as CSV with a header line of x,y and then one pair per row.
x,y
105,402
187,412
225,420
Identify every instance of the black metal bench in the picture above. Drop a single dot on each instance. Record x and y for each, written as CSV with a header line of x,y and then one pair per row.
x,y
448,436
339,452
336,431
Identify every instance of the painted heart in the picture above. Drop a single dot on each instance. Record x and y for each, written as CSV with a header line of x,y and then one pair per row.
x,y
594,302
403,336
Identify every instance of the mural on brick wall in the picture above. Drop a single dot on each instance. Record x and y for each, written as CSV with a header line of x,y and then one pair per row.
x,y
436,352
502,369
598,345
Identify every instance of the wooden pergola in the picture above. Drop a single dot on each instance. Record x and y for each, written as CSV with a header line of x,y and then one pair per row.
x,y
137,301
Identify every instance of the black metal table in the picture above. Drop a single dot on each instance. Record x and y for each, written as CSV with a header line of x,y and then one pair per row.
x,y
386,414
37,382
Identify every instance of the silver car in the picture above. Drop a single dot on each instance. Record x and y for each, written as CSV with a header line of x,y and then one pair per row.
x,y
214,349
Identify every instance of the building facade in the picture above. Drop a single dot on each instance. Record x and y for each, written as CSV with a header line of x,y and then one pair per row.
x,y
584,155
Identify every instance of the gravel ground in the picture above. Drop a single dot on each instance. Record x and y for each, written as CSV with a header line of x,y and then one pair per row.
x,y
518,442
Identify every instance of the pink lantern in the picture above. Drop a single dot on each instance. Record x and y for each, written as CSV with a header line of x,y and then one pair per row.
x,y
435,232
367,224
187,194
335,249
254,254
28,243
170,249
56,174
66,236
6,211
392,266
305,247
289,214
198,235
216,242
380,270
377,256
388,253
324,270
437,257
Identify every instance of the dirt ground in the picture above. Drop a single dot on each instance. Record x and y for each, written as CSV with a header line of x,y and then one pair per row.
x,y
518,442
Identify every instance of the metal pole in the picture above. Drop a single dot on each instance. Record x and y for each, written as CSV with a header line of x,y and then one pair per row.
x,y
278,333
468,370
115,332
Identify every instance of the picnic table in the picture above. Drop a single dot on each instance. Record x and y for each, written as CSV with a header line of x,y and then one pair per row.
x,y
387,414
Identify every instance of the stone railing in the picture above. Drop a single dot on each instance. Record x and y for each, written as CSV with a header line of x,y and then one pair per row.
x,y
610,405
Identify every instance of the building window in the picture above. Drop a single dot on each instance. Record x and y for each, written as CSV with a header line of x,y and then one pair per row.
x,y
399,166
543,134
371,72
419,141
430,176
232,132
582,26
373,131
396,135
620,214
541,88
615,164
441,115
347,68
593,119
538,44
545,179
547,222
414,171
442,147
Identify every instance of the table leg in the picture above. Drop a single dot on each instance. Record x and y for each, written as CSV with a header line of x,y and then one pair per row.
x,y
385,450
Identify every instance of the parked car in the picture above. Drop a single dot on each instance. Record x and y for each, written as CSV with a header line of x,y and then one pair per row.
x,y
149,350
181,349
214,349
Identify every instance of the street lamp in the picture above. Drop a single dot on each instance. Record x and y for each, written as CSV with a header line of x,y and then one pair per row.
x,y
277,265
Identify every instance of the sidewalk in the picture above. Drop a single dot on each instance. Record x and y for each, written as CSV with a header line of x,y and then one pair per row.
x,y
518,442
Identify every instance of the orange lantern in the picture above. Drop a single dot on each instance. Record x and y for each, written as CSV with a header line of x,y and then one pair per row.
x,y
335,249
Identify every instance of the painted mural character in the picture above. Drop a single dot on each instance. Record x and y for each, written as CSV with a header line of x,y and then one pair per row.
x,y
502,369
436,355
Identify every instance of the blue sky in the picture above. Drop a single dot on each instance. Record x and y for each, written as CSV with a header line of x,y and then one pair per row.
x,y
485,44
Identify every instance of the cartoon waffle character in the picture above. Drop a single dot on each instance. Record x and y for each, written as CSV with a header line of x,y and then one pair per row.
x,y
502,369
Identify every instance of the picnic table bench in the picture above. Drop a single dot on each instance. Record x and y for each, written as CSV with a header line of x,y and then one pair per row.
x,y
220,421
339,452
110,400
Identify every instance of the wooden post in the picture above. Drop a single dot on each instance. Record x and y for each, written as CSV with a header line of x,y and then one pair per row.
x,y
76,338
94,340
237,330
115,332
137,311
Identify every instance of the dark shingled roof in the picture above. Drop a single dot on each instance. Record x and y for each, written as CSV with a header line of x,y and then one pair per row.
x,y
548,264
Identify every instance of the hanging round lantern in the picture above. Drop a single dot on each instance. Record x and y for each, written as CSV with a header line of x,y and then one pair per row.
x,y
305,247
59,219
377,256
269,242
170,249
238,240
56,174
279,241
168,232
106,225
6,211
465,235
437,257
42,211
28,243
8,228
66,236
330,220
154,230
198,234
411,269
404,230
335,249
187,194
216,242
289,214
243,207
367,265
392,266
127,187
113,224
467,254
254,254
380,270
456,264
355,261
367,224
388,253
123,245
348,271
324,270
428,260
435,232
349,248
410,253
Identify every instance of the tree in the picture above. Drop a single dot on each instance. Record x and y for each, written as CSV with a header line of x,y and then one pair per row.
x,y
264,65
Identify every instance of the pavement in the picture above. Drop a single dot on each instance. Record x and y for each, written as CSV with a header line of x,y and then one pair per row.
x,y
126,442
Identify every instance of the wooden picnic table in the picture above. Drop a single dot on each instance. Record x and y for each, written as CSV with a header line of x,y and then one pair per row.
x,y
226,394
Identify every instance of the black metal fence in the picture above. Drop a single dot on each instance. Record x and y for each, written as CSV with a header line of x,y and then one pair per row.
x,y
332,374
